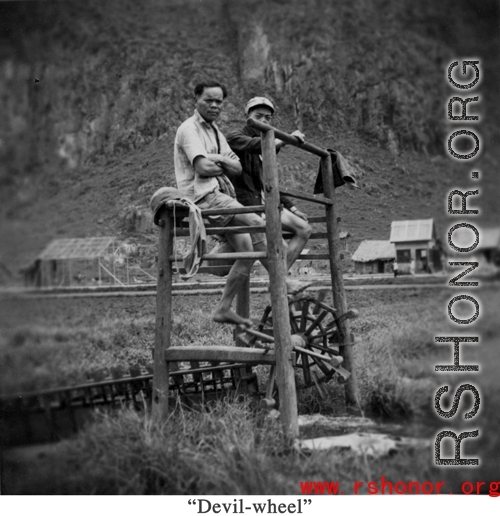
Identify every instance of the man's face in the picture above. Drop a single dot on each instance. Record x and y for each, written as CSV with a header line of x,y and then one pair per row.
x,y
262,114
209,103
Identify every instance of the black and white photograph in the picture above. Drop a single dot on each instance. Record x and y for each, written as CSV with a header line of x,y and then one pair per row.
x,y
250,253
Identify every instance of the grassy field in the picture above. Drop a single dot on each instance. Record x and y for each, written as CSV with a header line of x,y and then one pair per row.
x,y
231,448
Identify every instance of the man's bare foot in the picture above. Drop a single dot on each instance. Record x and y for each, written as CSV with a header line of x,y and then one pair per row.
x,y
229,317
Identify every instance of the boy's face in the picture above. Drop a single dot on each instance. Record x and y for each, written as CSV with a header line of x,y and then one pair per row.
x,y
262,114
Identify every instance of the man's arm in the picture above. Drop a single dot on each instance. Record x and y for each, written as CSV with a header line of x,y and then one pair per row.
x,y
204,163
228,164
205,167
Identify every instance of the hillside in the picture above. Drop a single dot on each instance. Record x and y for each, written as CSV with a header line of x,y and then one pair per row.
x,y
93,92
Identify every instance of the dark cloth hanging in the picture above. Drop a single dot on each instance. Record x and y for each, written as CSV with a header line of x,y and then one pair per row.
x,y
343,173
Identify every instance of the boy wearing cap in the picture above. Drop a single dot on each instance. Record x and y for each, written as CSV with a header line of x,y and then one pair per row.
x,y
246,143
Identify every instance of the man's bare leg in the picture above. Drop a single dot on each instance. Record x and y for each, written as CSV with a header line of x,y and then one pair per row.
x,y
235,281
237,276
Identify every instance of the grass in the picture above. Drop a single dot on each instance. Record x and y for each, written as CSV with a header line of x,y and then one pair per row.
x,y
228,450
231,447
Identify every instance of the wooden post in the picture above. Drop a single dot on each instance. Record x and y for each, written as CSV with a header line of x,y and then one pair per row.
x,y
242,308
163,318
338,292
277,286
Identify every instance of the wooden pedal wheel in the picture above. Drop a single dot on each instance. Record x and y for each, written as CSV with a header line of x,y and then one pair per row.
x,y
316,333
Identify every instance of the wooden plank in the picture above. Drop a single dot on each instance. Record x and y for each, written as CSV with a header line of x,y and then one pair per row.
x,y
229,256
315,235
163,327
277,286
338,291
219,354
318,199
314,256
181,211
329,359
233,211
316,220
230,230
243,310
259,335
227,230
234,256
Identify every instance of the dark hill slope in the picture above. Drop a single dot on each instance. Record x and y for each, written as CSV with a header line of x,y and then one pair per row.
x,y
93,92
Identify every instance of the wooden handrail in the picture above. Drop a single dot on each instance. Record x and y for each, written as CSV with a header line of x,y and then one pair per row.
x,y
288,138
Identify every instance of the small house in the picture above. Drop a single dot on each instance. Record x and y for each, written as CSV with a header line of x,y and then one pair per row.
x,y
415,240
374,256
489,245
486,253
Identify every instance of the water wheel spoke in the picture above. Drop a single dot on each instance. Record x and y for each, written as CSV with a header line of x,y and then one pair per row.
x,y
324,349
306,369
316,322
320,299
304,314
323,334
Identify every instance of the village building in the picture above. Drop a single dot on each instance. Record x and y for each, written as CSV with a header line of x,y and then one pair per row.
x,y
374,257
95,261
487,252
71,261
489,246
417,246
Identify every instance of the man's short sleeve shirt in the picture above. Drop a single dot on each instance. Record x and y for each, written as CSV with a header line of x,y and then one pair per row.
x,y
196,137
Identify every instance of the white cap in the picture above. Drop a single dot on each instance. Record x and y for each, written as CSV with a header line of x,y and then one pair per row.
x,y
258,101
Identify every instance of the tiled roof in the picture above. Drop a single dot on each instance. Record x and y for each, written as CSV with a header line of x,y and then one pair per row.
x,y
412,230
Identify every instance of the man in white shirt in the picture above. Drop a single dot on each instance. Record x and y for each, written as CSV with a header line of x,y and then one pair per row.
x,y
201,153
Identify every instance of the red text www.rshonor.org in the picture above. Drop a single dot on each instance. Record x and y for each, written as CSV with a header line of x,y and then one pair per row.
x,y
398,488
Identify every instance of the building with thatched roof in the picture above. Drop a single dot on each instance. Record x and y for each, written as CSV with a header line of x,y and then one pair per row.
x,y
416,241
70,261
374,256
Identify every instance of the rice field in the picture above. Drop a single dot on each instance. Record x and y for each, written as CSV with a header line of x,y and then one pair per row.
x,y
231,448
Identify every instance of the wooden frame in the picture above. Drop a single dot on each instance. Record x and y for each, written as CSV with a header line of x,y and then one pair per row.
x,y
276,257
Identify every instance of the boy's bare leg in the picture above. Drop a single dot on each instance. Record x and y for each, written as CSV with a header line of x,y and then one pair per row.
x,y
301,232
290,222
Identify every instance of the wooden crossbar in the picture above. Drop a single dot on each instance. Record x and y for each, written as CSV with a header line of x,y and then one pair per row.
x,y
219,354
318,199
231,230
226,230
257,255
